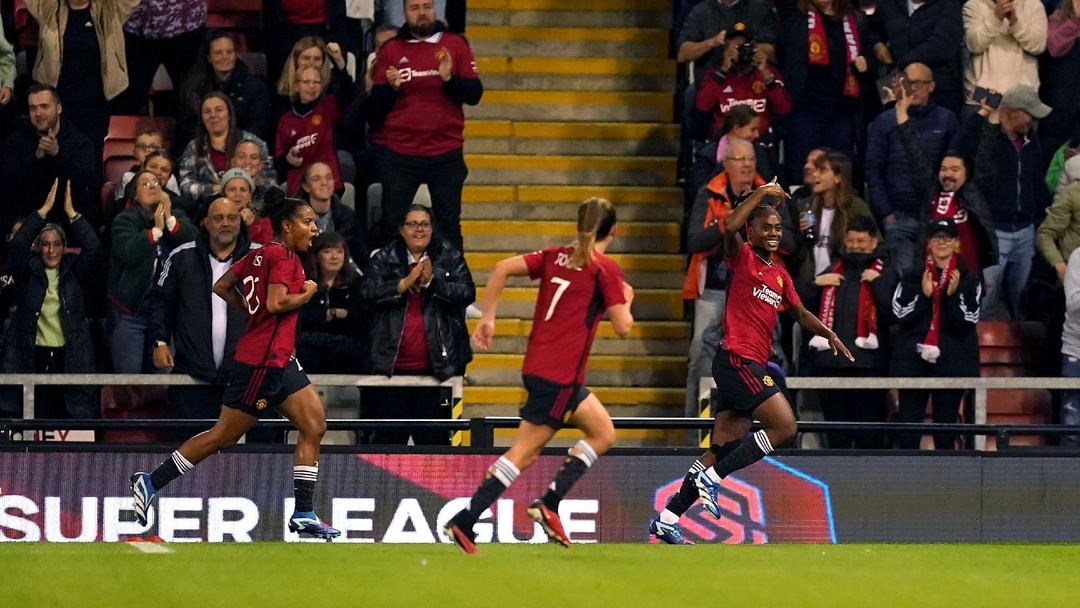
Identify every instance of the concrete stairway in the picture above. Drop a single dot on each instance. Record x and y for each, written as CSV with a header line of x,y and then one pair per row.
x,y
577,103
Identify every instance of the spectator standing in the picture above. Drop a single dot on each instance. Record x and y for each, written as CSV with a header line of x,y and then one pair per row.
x,y
329,339
305,134
853,299
287,21
417,287
44,149
742,78
825,66
183,311
1059,233
893,198
1056,177
317,188
740,122
147,142
422,79
81,53
143,235
1004,37
930,32
160,32
1070,347
833,205
217,69
1009,170
310,52
49,333
206,157
161,165
710,22
7,68
1060,88
937,309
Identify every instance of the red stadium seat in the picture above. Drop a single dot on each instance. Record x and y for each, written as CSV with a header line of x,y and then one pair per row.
x,y
227,6
126,127
135,402
116,166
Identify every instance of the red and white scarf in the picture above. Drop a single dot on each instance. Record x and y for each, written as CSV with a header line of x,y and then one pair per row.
x,y
819,48
866,327
948,205
929,349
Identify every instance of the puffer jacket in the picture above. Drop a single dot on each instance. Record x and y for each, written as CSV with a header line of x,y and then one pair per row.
x,y
136,254
443,305
77,273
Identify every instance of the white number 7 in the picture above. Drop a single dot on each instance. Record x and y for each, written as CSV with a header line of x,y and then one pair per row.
x,y
563,284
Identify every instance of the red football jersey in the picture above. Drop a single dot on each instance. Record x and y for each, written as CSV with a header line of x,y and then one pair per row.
x,y
313,137
269,338
757,290
425,120
568,310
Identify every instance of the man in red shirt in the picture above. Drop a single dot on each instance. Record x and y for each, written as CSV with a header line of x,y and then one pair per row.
x,y
421,80
742,77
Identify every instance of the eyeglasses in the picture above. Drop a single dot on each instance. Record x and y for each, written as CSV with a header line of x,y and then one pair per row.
x,y
154,184
920,83
417,225
742,159
942,238
147,147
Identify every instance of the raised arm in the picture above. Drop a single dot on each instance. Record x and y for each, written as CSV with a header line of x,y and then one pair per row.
x,y
737,218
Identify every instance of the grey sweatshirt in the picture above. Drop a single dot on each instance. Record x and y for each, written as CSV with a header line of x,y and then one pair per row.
x,y
1070,334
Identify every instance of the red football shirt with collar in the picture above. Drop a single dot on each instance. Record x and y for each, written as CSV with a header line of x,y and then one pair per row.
x,y
424,121
313,137
757,290
569,306
269,338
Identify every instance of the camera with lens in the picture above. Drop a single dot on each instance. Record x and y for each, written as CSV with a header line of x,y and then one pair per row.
x,y
746,53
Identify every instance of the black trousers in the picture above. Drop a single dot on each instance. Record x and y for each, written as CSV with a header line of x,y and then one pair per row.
x,y
379,403
401,178
49,401
945,407
200,402
143,58
855,405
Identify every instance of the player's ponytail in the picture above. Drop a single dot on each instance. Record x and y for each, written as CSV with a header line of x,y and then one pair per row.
x,y
279,208
596,218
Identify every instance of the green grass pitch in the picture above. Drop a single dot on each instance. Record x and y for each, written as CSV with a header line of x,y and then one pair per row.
x,y
269,575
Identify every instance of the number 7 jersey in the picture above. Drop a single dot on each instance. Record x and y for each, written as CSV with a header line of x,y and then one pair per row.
x,y
568,311
269,338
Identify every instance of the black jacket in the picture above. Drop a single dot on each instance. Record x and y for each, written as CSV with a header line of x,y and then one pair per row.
x,y
925,184
443,304
1012,181
932,35
794,55
347,225
709,17
957,337
250,101
77,274
845,317
181,310
26,179
336,27
313,327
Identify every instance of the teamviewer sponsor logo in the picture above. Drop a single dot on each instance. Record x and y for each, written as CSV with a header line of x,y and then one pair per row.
x,y
408,74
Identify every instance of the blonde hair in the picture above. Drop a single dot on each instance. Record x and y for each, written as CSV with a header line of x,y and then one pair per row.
x,y
289,75
596,218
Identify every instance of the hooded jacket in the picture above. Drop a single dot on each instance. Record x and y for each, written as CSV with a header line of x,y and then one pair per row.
x,y
443,306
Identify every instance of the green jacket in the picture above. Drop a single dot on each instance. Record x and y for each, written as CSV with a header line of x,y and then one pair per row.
x,y
134,262
1059,233
1057,163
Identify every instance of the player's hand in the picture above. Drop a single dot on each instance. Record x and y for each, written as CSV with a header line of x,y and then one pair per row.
x,y
838,348
393,77
870,275
309,289
773,189
446,64
485,330
829,279
49,200
928,283
954,281
162,357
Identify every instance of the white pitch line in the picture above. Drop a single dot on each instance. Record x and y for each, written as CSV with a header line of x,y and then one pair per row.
x,y
151,547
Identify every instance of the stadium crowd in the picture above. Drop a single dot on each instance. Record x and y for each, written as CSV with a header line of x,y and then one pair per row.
x,y
931,148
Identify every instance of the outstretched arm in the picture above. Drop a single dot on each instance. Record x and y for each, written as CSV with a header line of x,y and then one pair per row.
x,y
808,321
510,267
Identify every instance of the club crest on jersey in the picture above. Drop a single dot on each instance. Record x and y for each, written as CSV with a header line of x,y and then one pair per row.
x,y
780,281
767,381
260,404
767,295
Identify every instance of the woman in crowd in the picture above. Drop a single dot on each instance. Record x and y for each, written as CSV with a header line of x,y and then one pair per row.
x,y
832,204
1060,88
418,287
740,122
827,64
49,333
286,23
248,155
217,68
311,52
937,309
237,186
206,157
142,237
330,339
331,215
305,134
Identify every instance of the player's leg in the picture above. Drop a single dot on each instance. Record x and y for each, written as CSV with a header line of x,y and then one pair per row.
x,y
591,417
779,426
304,409
229,428
729,428
530,439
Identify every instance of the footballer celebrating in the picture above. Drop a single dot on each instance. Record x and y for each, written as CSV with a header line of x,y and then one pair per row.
x,y
758,288
268,283
578,283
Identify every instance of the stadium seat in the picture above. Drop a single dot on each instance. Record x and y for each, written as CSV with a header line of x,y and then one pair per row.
x,y
135,402
107,193
116,166
124,128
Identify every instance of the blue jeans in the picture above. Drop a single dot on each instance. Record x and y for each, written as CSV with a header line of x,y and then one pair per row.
x,y
1070,400
1009,278
900,240
129,340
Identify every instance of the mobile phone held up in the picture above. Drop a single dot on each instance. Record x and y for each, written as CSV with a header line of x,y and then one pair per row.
x,y
982,94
